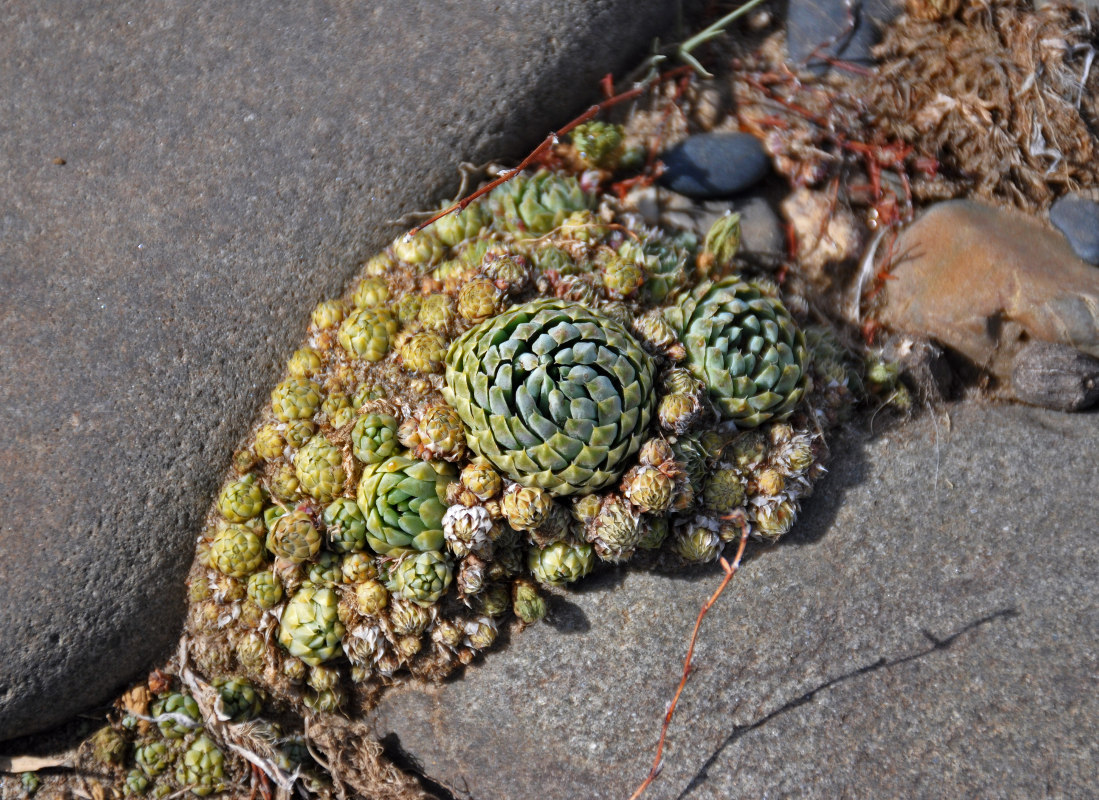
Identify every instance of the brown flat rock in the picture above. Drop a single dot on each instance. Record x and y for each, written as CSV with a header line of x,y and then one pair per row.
x,y
983,281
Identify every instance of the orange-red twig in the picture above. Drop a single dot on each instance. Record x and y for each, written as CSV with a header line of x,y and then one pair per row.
x,y
549,141
730,571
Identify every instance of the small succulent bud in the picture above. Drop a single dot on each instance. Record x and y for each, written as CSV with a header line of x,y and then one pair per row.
x,y
322,678
424,352
269,443
108,746
374,438
422,577
480,299
698,543
310,628
326,702
526,508
654,530
30,783
511,273
468,530
368,333
136,783
371,597
585,509
721,245
408,647
244,460
240,701
447,633
202,767
678,413
305,363
326,570
298,432
408,308
251,652
527,602
372,292
615,530
437,312
423,248
319,468
655,453
560,562
441,435
649,489
494,600
294,669
265,590
657,334
357,567
472,576
723,491
295,398
599,144
748,450
480,633
482,480
294,537
622,278
345,525
407,618
178,715
328,314
458,226
236,551
774,520
770,482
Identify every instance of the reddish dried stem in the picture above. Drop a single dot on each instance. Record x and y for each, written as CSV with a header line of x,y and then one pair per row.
x,y
730,571
549,141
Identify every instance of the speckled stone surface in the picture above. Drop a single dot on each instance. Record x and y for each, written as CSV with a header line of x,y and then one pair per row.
x,y
180,183
928,630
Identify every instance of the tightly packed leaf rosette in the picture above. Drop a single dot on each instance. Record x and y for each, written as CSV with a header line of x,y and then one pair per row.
x,y
403,500
310,627
742,342
555,395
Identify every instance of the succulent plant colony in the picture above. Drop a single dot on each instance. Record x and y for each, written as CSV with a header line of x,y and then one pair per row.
x,y
525,389
528,388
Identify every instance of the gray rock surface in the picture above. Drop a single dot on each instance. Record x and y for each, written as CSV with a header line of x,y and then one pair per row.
x,y
180,183
928,630
1077,217
838,29
714,164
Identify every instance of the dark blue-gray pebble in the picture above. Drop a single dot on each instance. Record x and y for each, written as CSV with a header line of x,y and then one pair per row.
x,y
1078,219
714,165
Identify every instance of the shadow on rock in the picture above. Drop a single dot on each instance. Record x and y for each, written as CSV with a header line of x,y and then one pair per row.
x,y
934,645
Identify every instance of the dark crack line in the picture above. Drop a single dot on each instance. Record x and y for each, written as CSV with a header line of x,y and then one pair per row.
x,y
937,644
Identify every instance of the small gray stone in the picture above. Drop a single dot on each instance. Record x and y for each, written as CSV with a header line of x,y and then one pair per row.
x,y
710,165
837,29
1055,376
1078,219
